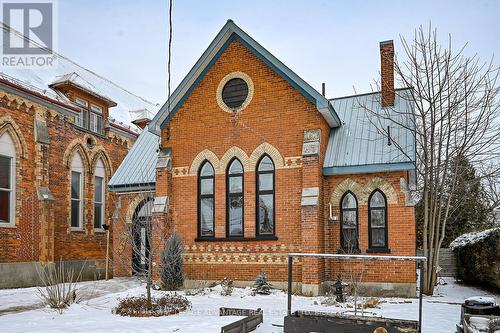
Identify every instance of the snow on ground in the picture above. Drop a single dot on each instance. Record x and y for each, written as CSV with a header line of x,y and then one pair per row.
x,y
441,312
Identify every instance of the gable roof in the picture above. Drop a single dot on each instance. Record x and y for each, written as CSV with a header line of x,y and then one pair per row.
x,y
226,35
40,80
358,146
138,169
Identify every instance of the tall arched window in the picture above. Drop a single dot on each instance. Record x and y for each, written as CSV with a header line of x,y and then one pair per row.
x,y
7,180
377,220
99,194
349,222
235,199
206,200
77,181
265,196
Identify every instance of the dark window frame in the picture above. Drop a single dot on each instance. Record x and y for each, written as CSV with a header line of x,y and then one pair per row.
x,y
204,196
343,246
230,195
9,190
101,204
372,248
258,193
80,200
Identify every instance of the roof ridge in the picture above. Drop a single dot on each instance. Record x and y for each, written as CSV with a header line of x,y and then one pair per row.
x,y
365,94
9,29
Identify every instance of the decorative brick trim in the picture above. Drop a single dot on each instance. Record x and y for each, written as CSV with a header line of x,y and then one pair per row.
x,y
230,154
180,171
230,76
266,148
363,192
132,206
100,153
204,155
74,146
293,162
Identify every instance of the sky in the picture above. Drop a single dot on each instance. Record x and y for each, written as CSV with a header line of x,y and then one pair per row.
x,y
336,42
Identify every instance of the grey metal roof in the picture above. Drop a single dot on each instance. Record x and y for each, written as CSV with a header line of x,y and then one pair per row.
x,y
137,170
360,146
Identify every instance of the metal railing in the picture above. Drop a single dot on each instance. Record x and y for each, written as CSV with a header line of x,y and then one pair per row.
x,y
420,264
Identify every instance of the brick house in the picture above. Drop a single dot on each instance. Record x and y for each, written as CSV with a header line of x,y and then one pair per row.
x,y
63,133
247,162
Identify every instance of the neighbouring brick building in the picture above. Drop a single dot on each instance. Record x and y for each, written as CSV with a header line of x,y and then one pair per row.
x,y
247,162
63,133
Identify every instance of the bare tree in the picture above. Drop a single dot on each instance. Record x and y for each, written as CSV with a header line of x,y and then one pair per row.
x,y
456,103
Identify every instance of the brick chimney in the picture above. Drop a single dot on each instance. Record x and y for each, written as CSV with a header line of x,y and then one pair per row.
x,y
387,73
142,122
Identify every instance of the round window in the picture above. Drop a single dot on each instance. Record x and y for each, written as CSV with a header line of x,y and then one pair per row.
x,y
235,92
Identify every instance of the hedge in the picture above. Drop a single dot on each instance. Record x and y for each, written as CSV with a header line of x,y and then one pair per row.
x,y
478,261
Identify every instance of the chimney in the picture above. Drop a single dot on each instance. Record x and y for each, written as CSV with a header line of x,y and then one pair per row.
x,y
141,122
387,73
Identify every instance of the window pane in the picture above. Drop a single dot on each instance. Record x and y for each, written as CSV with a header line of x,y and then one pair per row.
x,y
99,124
349,201
377,200
97,215
266,182
266,164
236,167
75,213
95,108
5,169
377,218
236,184
266,214
378,238
98,189
207,170
207,216
207,186
236,216
350,239
349,219
75,185
81,102
4,206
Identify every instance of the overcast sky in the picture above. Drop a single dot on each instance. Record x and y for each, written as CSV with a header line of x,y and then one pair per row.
x,y
335,42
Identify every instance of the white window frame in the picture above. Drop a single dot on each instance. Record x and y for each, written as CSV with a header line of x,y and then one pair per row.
x,y
7,149
77,167
82,102
100,172
95,108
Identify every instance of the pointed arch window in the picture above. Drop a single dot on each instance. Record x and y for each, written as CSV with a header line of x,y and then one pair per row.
x,y
235,199
206,200
77,181
377,220
349,223
7,180
99,194
265,196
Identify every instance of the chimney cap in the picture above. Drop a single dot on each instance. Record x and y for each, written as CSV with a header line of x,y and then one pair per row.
x,y
387,42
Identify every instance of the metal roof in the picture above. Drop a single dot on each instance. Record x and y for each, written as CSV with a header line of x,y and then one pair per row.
x,y
138,168
226,35
360,145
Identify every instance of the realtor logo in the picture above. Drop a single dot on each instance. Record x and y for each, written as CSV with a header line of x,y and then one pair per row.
x,y
28,36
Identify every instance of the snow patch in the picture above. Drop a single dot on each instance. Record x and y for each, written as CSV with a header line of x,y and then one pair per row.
x,y
471,238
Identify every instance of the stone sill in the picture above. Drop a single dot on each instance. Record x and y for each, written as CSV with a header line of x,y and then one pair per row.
x,y
237,239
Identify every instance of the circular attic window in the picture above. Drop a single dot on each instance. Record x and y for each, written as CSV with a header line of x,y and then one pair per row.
x,y
235,92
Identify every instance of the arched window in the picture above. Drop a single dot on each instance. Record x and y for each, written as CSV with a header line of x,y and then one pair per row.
x,y
265,196
99,194
206,200
77,181
7,180
235,199
349,222
377,220
142,232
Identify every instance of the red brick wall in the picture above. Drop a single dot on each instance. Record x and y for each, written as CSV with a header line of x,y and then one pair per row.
x,y
44,234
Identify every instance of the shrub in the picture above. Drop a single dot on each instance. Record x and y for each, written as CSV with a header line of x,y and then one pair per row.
x,y
59,289
171,269
477,256
261,286
137,306
227,287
